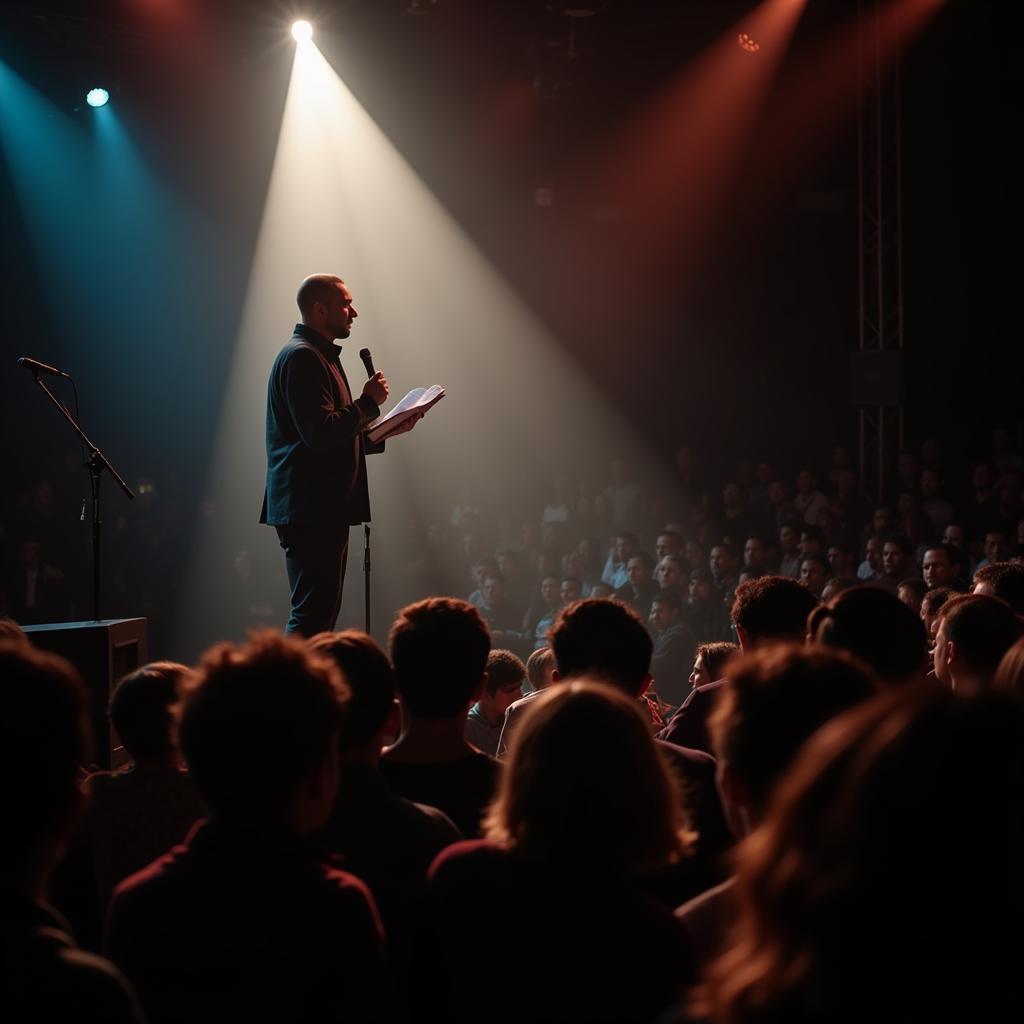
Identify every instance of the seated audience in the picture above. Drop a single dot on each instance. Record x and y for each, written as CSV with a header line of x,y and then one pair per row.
x,y
942,566
540,667
709,663
765,610
973,634
911,592
1004,580
639,589
863,896
505,677
554,891
704,612
772,702
244,921
836,585
44,976
439,651
673,647
140,811
814,573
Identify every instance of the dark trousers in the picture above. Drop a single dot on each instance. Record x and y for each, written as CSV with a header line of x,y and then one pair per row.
x,y
315,557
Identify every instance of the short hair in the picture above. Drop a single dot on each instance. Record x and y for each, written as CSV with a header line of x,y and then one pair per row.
x,y
316,288
916,584
821,560
142,709
772,607
504,669
370,679
538,665
983,628
602,639
715,656
678,559
561,798
668,596
439,649
671,533
722,544
954,556
877,628
935,598
903,542
257,719
813,532
628,535
1007,581
43,740
645,558
846,545
773,701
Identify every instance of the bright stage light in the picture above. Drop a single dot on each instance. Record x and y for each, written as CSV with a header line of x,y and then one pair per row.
x,y
97,97
302,31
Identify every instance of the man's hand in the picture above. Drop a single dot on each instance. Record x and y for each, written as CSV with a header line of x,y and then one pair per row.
x,y
377,388
407,425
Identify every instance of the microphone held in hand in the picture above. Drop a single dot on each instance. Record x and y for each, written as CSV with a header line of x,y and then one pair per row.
x,y
364,354
37,368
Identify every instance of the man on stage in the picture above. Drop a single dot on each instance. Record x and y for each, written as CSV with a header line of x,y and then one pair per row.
x,y
316,468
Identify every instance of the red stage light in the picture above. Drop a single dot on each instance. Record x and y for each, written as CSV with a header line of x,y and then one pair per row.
x,y
748,44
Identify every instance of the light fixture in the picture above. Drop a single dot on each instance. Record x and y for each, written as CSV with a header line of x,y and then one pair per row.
x,y
97,97
302,31
748,43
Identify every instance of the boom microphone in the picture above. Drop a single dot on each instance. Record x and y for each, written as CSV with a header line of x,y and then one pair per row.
x,y
364,354
37,368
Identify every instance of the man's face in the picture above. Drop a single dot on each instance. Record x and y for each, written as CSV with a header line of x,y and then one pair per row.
x,y
508,566
936,568
812,576
788,539
881,520
662,616
995,547
700,591
694,555
753,552
809,545
623,549
893,560
493,590
940,655
838,561
637,571
873,553
669,573
721,562
339,312
699,676
549,587
666,545
570,591
953,535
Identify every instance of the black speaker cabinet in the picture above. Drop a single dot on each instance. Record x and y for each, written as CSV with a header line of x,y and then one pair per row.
x,y
102,652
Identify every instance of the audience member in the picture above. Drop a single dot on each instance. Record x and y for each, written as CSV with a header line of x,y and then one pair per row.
x,y
44,976
439,650
673,647
505,677
836,585
930,605
897,561
973,634
556,886
842,558
789,546
244,921
614,572
941,566
911,592
704,612
639,589
540,667
814,573
709,663
1004,580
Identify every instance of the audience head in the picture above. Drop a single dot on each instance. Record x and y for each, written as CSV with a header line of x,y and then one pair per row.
x,y
814,573
43,741
836,585
259,729
877,628
143,707
897,557
722,561
570,589
973,634
709,662
603,640
911,592
955,536
602,590
842,557
671,571
812,540
1010,674
701,586
638,569
505,677
371,683
563,797
997,545
439,650
930,605
771,608
940,566
755,551
860,897
666,608
1004,580
668,543
539,667
771,703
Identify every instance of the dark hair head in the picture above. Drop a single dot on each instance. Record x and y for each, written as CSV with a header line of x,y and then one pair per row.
x,y
845,545
982,628
1007,579
954,556
700,575
876,627
370,679
773,701
439,648
605,640
562,798
859,832
143,705
813,532
772,607
935,598
257,720
904,543
715,656
671,597
915,584
43,740
504,670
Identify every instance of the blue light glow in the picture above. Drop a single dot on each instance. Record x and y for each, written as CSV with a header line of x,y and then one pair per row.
x,y
97,97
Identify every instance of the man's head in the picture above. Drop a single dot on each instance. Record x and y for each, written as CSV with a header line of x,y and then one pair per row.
x,y
973,634
142,709
701,586
43,741
370,712
550,591
439,650
1004,580
955,536
842,558
771,704
625,546
570,589
668,543
812,541
259,730
325,304
897,557
911,592
931,603
931,483
771,608
997,545
638,570
940,565
505,677
493,589
814,573
789,537
755,552
539,668
709,661
603,640
722,562
670,572
666,608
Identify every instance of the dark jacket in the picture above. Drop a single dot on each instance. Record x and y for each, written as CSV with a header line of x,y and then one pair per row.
x,y
316,471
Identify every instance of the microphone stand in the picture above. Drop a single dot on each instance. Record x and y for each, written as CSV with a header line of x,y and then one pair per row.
x,y
97,462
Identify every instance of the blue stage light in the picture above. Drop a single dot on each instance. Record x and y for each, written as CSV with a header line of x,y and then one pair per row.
x,y
97,97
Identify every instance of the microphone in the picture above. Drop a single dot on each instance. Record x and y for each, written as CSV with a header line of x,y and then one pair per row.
x,y
364,354
37,368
